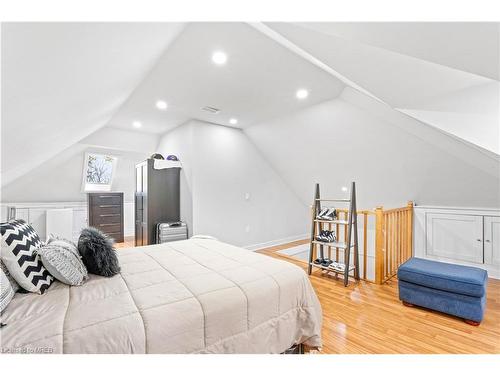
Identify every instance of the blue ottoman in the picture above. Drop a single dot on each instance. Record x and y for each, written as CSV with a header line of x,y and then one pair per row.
x,y
449,288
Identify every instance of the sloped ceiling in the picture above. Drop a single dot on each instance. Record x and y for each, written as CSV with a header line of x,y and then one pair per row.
x,y
65,82
62,81
471,47
410,78
257,83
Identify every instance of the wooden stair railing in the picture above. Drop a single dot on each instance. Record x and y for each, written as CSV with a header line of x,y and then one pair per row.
x,y
393,240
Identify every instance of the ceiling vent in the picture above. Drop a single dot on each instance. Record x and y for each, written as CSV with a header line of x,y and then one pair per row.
x,y
210,109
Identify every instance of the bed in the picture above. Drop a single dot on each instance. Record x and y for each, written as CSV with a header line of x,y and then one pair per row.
x,y
193,296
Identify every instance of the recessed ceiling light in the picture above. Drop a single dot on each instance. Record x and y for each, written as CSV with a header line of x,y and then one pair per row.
x,y
161,105
233,121
219,57
302,94
137,124
344,188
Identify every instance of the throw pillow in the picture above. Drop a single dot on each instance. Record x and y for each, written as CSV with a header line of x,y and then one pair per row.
x,y
62,259
19,244
13,283
98,253
6,291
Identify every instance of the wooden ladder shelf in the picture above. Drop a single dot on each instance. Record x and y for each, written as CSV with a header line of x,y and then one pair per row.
x,y
351,237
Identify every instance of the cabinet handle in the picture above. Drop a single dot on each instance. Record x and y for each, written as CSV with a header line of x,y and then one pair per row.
x,y
487,240
479,240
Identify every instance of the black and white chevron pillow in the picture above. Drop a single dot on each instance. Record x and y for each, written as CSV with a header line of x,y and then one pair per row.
x,y
19,244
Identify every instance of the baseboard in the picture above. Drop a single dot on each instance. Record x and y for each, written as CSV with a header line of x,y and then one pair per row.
x,y
280,241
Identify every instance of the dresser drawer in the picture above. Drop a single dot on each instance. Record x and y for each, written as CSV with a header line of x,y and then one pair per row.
x,y
106,209
109,227
106,199
106,219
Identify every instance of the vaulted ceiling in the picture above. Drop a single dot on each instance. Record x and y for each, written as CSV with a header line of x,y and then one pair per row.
x,y
64,82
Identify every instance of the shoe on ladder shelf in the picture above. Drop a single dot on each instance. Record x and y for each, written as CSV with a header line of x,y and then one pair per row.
x,y
322,237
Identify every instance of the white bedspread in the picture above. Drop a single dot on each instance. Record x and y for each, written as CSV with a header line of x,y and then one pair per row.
x,y
194,296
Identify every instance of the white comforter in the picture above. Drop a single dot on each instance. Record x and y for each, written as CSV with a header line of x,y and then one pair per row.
x,y
194,296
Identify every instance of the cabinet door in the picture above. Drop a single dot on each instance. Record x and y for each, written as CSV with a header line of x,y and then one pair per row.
x,y
492,240
37,219
458,237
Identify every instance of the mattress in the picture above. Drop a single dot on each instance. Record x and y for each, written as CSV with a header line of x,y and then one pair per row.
x,y
192,296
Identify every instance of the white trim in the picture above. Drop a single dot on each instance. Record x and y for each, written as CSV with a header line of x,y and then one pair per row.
x,y
280,241
417,207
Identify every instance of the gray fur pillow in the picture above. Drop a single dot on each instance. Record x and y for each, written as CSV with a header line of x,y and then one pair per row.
x,y
61,258
98,253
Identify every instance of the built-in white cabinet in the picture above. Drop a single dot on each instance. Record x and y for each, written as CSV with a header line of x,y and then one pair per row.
x,y
492,240
36,215
459,235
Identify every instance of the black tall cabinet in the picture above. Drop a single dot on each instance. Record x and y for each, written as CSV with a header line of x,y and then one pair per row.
x,y
157,200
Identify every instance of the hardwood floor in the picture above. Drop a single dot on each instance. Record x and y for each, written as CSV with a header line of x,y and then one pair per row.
x,y
364,318
367,318
128,242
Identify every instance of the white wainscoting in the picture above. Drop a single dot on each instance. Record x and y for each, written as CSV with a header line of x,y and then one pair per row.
x,y
468,236
35,214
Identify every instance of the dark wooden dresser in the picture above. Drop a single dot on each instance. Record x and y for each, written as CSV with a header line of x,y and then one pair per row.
x,y
105,212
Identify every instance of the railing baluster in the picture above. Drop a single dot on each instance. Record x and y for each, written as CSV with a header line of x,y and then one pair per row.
x,y
365,242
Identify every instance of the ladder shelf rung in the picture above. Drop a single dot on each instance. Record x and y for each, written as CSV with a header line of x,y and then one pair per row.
x,y
351,268
340,245
332,200
341,222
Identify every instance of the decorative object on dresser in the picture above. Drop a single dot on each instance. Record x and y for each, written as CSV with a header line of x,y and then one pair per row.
x,y
105,212
157,197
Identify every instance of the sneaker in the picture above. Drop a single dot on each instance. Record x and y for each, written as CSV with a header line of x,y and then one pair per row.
x,y
321,213
326,262
318,261
323,236
331,237
331,214
339,267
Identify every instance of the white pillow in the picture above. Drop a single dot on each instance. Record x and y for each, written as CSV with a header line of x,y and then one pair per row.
x,y
13,283
62,259
19,244
6,291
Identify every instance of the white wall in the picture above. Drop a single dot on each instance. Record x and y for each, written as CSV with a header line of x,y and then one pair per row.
x,y
60,179
335,142
179,142
221,165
